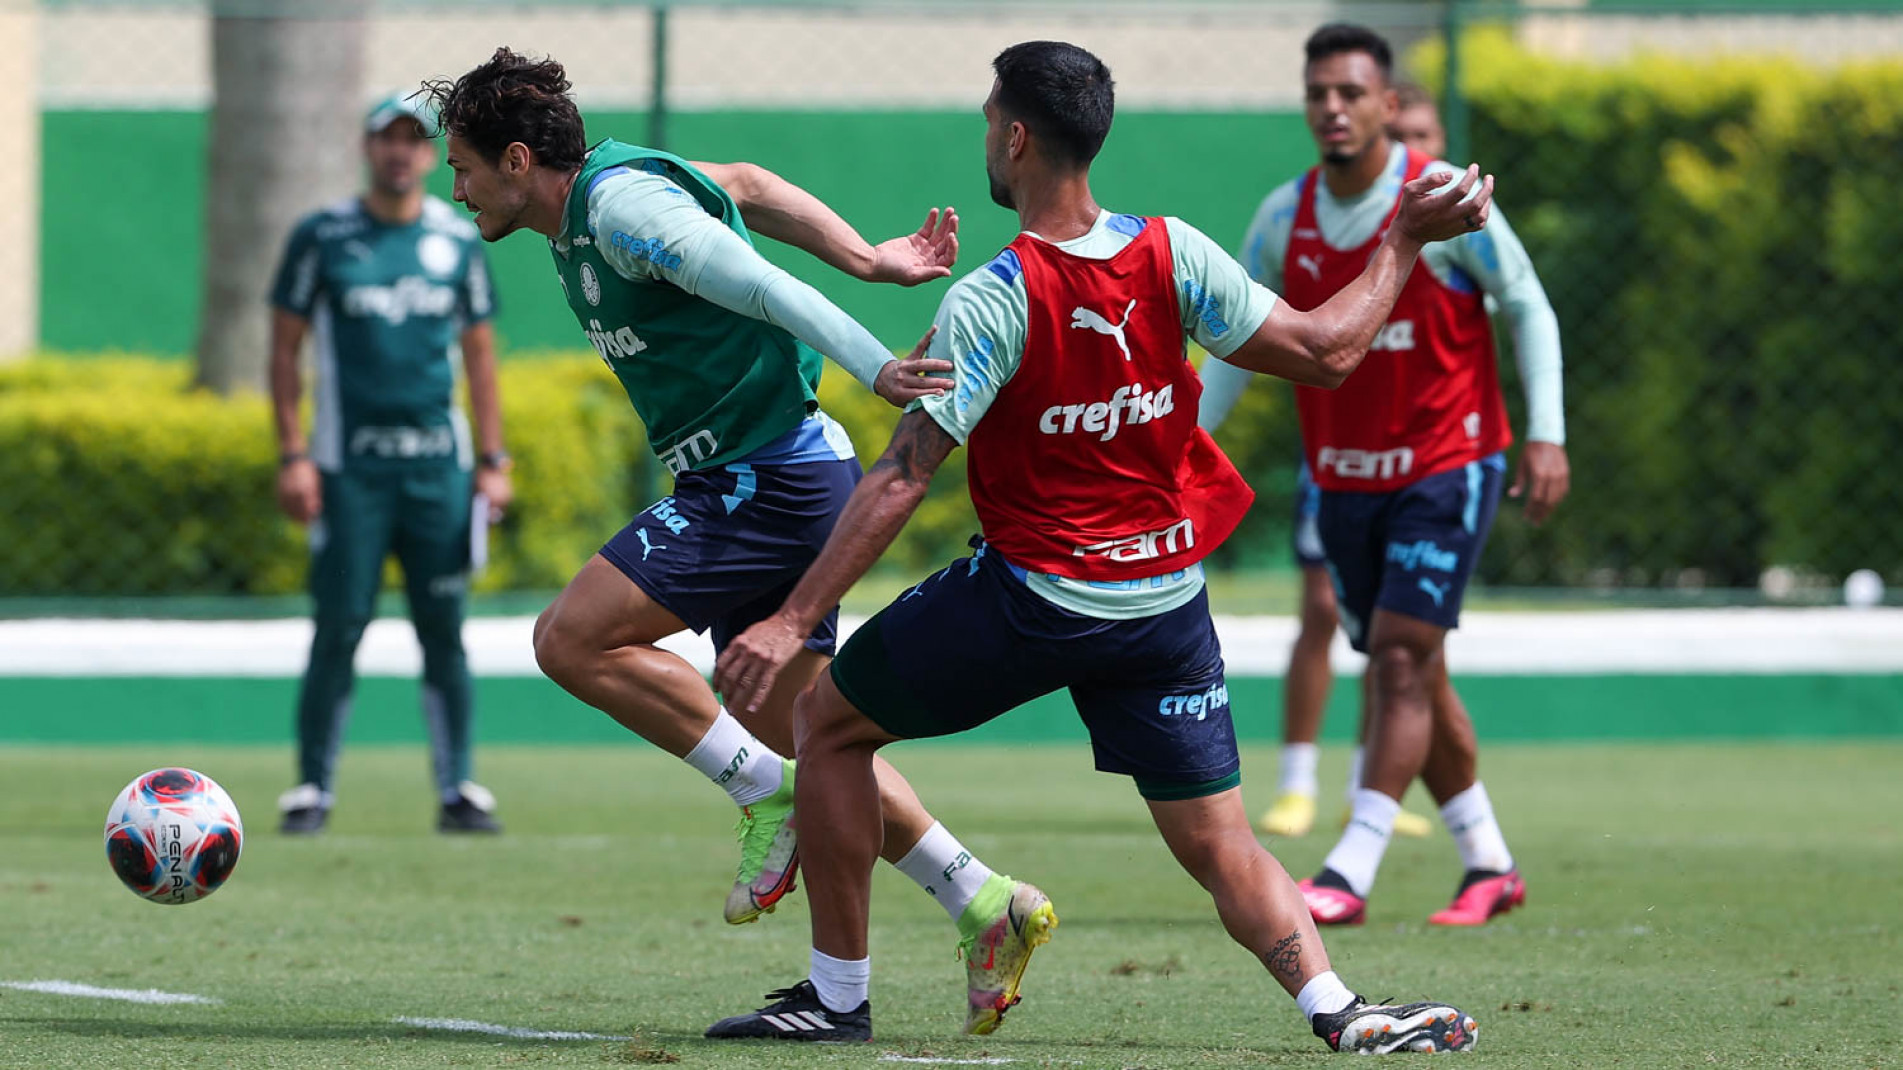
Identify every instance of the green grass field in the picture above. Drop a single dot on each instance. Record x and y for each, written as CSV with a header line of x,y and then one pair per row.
x,y
1690,906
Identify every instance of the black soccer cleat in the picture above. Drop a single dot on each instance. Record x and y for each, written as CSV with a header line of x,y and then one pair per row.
x,y
798,1015
303,810
473,810
303,821
1377,1029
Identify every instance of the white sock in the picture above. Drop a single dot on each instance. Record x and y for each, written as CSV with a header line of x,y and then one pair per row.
x,y
1298,768
1354,772
950,874
841,983
1469,817
1323,994
731,757
1357,855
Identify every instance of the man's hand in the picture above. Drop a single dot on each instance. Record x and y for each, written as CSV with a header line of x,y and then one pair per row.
x,y
919,257
747,669
902,382
300,492
1435,207
495,485
1544,476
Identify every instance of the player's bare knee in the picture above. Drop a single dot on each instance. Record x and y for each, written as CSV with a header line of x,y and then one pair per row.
x,y
1218,857
825,723
541,624
1318,625
557,652
1398,668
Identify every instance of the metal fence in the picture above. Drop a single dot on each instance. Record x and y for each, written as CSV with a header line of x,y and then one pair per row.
x,y
1733,422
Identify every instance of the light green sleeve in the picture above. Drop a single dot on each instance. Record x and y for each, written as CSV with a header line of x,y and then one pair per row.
x,y
647,227
1499,264
1221,305
982,324
1265,243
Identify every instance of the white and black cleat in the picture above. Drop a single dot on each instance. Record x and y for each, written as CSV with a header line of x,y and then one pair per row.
x,y
796,1014
1378,1029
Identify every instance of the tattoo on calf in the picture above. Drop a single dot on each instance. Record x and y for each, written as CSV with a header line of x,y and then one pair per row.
x,y
1284,959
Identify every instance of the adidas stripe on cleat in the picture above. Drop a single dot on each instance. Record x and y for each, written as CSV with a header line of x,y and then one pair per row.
x,y
1380,1029
796,1014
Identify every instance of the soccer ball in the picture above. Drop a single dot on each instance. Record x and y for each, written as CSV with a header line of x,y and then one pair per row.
x,y
173,836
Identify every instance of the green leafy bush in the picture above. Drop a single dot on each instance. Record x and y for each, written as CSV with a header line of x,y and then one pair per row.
x,y
117,478
1718,238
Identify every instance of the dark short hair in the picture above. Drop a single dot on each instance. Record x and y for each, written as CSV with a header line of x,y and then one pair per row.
x,y
1412,95
513,98
1061,93
1339,37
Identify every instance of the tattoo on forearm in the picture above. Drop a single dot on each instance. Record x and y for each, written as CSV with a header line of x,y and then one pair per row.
x,y
1284,959
916,449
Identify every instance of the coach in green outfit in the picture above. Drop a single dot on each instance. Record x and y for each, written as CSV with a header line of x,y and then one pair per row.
x,y
392,288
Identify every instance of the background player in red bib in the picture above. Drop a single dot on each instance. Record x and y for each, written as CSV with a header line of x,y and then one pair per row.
x,y
1311,675
1099,497
1409,456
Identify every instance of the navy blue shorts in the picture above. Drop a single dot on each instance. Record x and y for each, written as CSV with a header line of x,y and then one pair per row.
x,y
725,549
1409,551
1305,536
973,641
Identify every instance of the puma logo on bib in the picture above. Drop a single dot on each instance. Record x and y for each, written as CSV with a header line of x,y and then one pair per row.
x,y
1083,317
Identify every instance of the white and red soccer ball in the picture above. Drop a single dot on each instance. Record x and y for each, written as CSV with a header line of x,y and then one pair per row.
x,y
173,836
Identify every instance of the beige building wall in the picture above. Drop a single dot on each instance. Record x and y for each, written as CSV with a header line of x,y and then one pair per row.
x,y
19,182
1220,54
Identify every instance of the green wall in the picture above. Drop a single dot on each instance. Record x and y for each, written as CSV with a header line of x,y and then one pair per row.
x,y
123,203
521,709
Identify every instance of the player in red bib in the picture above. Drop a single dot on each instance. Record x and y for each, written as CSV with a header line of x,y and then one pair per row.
x,y
1099,497
1409,456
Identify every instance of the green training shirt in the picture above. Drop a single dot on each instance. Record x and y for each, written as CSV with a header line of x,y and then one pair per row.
x,y
387,304
711,384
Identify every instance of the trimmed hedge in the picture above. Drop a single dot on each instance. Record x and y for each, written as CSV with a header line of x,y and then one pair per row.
x,y
117,478
1719,240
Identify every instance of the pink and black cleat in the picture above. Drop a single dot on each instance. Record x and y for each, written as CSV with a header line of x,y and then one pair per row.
x,y
1329,903
1482,895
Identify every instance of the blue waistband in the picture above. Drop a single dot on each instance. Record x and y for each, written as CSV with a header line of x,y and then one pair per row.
x,y
816,438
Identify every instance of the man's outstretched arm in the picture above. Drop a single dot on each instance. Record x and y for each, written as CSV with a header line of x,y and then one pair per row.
x,y
878,509
646,227
778,209
1320,347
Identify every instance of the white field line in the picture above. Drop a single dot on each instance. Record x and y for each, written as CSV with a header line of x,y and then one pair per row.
x,y
128,995
935,1061
464,1025
1747,641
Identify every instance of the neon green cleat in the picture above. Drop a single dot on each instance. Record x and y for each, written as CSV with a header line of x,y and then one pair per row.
x,y
769,854
1292,815
1005,923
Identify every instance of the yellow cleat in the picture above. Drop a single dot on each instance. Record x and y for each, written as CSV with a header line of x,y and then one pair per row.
x,y
1412,825
1292,815
1406,823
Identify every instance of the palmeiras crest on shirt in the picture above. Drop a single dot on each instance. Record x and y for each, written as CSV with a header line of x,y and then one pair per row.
x,y
590,285
438,255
